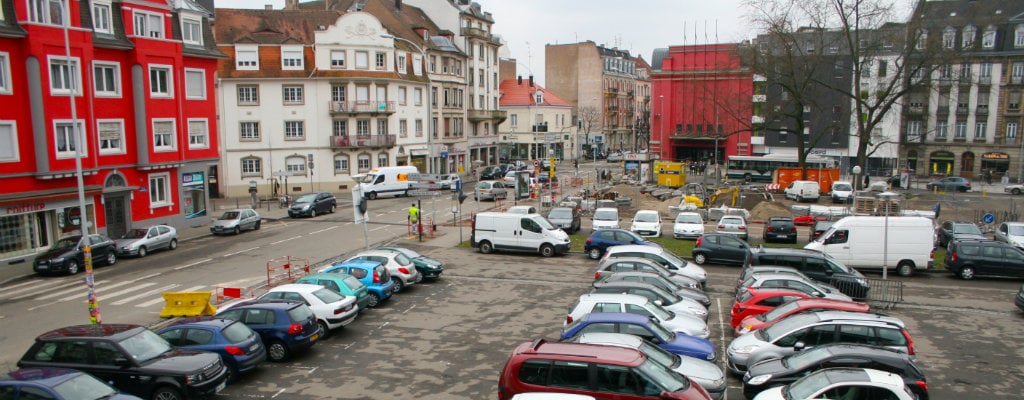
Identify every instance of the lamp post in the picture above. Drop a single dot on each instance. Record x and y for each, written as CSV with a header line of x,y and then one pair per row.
x,y
886,198
856,172
430,107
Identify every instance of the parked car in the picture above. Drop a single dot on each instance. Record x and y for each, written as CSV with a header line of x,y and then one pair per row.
x,y
968,259
817,266
567,218
616,265
786,370
646,223
342,284
650,291
810,304
449,181
807,330
707,374
139,242
654,288
56,384
67,255
598,371
600,240
490,190
636,304
373,274
430,268
818,228
950,230
1015,189
842,192
803,191
779,229
332,310
951,183
733,225
235,221
664,257
842,383
510,179
401,268
285,327
605,218
645,327
749,270
756,301
130,358
313,204
522,210
492,172
721,248
239,347
688,225
1011,233
800,283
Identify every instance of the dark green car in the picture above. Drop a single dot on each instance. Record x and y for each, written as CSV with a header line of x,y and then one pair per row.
x,y
430,268
341,283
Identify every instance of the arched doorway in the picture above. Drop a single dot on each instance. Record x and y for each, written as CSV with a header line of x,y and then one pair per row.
x,y
941,162
967,164
116,210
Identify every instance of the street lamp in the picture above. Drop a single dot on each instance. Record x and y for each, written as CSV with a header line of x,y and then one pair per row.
x,y
429,102
886,198
856,172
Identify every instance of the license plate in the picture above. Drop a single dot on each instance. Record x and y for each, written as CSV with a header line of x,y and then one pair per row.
x,y
220,387
783,236
314,337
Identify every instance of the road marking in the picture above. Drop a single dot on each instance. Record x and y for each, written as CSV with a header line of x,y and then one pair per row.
x,y
32,282
285,240
378,228
193,289
278,393
144,294
240,252
129,290
324,230
71,290
40,285
192,264
723,355
150,303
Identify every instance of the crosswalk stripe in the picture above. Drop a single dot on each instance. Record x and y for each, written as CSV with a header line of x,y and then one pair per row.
x,y
149,303
35,289
33,282
102,296
144,294
81,289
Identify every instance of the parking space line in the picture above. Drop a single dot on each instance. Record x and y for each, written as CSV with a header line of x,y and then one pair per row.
x,y
324,230
192,264
240,252
409,309
285,240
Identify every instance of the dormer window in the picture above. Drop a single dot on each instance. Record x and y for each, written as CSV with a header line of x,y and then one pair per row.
x,y
291,57
538,97
191,33
949,37
101,17
46,11
988,39
149,24
968,37
1018,36
247,58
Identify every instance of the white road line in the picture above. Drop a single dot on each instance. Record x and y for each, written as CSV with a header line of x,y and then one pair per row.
x,y
193,289
40,285
192,264
378,228
101,295
32,282
240,252
150,303
285,240
324,230
127,300
142,278
69,291
723,355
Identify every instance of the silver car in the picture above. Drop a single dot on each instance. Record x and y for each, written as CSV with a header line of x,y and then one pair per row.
x,y
798,283
139,242
610,266
635,304
403,271
733,225
1011,233
236,221
490,190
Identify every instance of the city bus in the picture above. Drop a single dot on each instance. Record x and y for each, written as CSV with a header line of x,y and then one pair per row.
x,y
761,168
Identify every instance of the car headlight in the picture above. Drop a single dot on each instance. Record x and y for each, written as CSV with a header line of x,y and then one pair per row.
x,y
193,379
745,349
862,282
700,312
758,380
711,356
57,260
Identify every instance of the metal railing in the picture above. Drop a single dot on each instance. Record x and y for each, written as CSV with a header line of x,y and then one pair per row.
x,y
882,293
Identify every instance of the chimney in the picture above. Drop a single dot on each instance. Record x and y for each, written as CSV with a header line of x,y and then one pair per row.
x,y
291,4
519,80
531,80
398,5
268,7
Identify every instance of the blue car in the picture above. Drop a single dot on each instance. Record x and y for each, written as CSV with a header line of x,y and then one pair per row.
x,y
285,326
373,274
56,383
645,327
239,346
602,239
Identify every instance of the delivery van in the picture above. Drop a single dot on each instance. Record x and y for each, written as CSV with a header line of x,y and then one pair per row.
x,y
387,181
858,242
517,232
803,191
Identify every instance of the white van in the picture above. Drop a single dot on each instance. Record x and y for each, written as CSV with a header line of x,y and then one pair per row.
x,y
386,181
605,218
803,191
517,232
857,241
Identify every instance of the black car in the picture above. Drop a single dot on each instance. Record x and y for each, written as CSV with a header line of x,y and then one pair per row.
x,y
779,229
968,258
492,172
67,255
132,359
783,371
722,248
312,204
819,228
816,265
958,230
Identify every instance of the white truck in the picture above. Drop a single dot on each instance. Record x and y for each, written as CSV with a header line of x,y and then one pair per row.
x,y
858,242
387,181
517,232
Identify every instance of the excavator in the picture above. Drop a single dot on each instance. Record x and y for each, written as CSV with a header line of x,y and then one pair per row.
x,y
697,195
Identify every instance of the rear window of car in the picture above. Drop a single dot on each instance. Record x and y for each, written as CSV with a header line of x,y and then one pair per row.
x,y
237,332
327,296
300,313
358,273
780,222
968,249
353,283
891,337
382,273
744,295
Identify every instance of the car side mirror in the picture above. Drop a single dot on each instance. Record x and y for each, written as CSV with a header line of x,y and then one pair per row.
x,y
799,346
818,294
121,362
829,272
658,302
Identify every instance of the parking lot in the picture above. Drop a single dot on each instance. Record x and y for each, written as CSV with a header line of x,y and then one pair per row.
x,y
449,339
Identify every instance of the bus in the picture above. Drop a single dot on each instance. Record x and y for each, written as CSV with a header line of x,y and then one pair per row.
x,y
761,168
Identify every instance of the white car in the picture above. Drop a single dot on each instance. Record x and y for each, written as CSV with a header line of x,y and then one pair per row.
x,y
842,383
636,304
1011,233
842,192
403,271
646,223
688,225
139,242
733,225
449,182
332,310
605,218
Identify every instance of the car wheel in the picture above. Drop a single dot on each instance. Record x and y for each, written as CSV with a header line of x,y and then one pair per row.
x,y
905,268
372,195
967,273
167,393
486,247
1015,191
257,227
72,267
111,258
326,331
277,351
142,251
230,373
334,207
238,230
746,178
700,258
594,253
173,245
547,250
399,285
312,213
373,301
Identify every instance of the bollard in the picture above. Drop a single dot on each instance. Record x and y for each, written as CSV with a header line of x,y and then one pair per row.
x,y
984,192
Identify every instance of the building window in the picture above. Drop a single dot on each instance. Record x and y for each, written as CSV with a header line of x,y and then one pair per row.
x,y
514,120
381,61
1018,36
988,39
362,60
961,130
101,17
67,140
64,77
249,131
922,39
159,190
985,73
941,129
247,58
160,81
163,135
417,98
295,165
149,24
913,131
252,167
337,93
382,126
46,11
248,95
338,59
980,129
967,41
403,128
364,163
382,93
948,37
1013,101
363,127
195,84
339,127
419,128
5,73
107,79
433,64
291,58
341,164
8,142
198,138
191,32
1017,73
401,63
292,94
294,130
401,95
382,160
111,136
1011,130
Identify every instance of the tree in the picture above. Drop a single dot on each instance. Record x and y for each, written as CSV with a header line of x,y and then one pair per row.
x,y
589,119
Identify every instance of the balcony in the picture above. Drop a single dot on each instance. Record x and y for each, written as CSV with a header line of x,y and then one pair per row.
x,y
961,109
539,127
487,115
480,34
352,142
982,109
361,107
915,110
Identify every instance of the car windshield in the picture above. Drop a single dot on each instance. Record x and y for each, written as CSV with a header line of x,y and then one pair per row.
x,y
676,262
783,309
145,346
662,376
544,224
229,215
807,386
966,228
309,198
81,387
658,354
658,311
805,358
731,220
560,213
664,334
1016,230
483,185
300,313
646,217
843,187
368,178
136,234
787,325
328,296
67,243
606,215
688,219
237,332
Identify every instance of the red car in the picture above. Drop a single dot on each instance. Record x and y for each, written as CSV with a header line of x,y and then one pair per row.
x,y
755,301
765,320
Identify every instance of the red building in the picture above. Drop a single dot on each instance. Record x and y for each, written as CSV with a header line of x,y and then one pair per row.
x,y
136,101
701,98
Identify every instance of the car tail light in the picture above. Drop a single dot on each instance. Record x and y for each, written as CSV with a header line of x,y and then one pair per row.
x,y
770,228
568,319
794,229
294,329
931,255
376,277
743,228
923,385
404,270
589,240
910,342
699,240
952,257
234,350
597,275
721,226
968,184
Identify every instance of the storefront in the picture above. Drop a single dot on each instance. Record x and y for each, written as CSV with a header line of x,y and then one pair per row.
x,y
193,193
941,162
33,225
995,165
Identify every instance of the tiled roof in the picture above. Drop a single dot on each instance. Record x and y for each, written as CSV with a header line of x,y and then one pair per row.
x,y
514,93
270,26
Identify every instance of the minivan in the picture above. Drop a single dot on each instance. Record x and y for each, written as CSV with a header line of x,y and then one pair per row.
x,y
815,265
803,191
517,232
392,181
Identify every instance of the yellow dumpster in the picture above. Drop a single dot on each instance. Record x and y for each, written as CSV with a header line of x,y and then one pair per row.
x,y
670,174
187,304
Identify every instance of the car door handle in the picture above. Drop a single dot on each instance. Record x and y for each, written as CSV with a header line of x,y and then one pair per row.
x,y
846,247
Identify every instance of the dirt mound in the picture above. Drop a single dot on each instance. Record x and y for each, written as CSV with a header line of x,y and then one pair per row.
x,y
767,209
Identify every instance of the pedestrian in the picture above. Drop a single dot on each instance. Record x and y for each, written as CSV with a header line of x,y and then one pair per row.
x,y
867,182
988,177
936,210
414,214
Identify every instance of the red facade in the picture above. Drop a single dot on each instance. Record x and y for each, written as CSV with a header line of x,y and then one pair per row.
x,y
701,93
146,110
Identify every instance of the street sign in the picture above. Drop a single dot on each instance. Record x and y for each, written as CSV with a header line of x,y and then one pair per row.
x,y
423,193
424,177
425,186
988,218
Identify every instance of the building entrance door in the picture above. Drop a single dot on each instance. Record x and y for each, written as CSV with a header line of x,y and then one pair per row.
x,y
116,215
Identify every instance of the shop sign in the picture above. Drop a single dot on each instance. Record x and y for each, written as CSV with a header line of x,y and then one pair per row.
x,y
192,179
25,208
995,156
